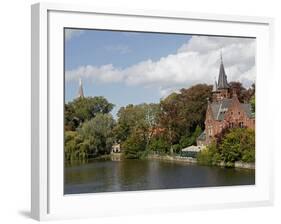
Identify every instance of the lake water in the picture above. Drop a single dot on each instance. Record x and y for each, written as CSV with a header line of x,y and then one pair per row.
x,y
132,175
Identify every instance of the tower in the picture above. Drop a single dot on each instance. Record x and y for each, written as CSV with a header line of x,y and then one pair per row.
x,y
80,90
222,88
215,91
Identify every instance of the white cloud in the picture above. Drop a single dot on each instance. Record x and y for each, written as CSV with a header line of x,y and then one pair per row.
x,y
197,61
70,33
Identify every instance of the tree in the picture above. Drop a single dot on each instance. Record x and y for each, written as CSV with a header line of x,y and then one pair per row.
x,y
134,145
70,123
72,149
238,145
209,156
159,145
188,140
142,117
84,109
253,104
181,113
244,95
135,128
97,135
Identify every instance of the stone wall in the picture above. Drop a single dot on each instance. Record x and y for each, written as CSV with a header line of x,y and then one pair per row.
x,y
173,158
244,165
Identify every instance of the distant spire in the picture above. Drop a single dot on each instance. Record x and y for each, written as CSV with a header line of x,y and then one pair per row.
x,y
215,86
80,90
222,82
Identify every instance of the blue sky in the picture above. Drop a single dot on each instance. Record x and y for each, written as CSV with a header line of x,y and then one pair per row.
x,y
121,49
135,67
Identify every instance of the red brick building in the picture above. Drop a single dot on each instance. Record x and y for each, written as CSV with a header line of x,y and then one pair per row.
x,y
224,111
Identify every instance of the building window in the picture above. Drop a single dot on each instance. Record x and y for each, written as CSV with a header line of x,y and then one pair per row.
x,y
239,112
241,124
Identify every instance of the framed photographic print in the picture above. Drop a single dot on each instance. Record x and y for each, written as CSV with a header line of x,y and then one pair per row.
x,y
148,111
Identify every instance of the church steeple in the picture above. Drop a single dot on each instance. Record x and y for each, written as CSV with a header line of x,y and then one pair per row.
x,y
80,90
222,82
221,88
215,86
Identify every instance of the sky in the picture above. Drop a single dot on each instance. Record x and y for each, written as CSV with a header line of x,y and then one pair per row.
x,y
138,67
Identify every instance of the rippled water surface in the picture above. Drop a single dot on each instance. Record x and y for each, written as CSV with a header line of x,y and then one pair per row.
x,y
132,175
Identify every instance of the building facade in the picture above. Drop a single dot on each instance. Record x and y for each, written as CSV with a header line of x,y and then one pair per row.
x,y
225,111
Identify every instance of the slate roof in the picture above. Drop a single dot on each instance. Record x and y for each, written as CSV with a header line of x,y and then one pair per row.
x,y
247,109
220,108
202,136
222,82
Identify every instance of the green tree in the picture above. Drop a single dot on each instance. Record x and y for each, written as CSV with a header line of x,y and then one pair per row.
x,y
253,104
188,140
72,149
238,145
84,109
97,135
159,145
209,156
135,145
140,119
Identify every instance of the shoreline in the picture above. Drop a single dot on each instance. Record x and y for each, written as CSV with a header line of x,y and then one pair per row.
x,y
177,159
238,164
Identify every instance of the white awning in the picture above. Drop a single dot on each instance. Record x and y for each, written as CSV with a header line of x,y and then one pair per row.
x,y
192,148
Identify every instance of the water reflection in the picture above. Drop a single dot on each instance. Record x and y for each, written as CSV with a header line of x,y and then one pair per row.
x,y
128,175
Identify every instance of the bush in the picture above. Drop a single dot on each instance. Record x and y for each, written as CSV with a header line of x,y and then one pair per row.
x,y
238,145
176,148
159,145
209,156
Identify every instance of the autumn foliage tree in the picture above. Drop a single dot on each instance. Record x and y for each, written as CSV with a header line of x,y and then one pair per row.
x,y
181,113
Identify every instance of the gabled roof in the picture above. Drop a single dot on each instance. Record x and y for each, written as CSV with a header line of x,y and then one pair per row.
x,y
247,108
220,108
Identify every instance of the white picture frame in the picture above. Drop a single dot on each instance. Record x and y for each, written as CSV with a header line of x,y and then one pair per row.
x,y
48,201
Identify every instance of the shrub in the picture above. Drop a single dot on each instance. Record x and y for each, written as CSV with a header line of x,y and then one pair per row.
x,y
238,145
209,156
159,145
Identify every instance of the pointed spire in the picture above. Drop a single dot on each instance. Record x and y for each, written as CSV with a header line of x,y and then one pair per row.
x,y
222,82
215,86
80,90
